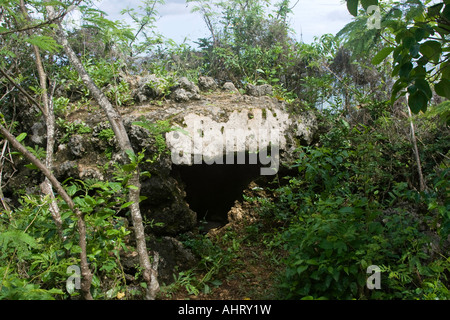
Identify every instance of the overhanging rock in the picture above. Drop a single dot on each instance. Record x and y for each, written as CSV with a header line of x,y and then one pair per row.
x,y
250,130
221,143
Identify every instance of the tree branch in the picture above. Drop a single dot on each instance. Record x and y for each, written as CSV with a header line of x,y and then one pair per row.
x,y
29,97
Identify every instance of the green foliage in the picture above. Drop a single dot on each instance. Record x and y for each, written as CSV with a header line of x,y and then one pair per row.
x,y
32,260
216,259
352,5
144,20
420,60
45,43
105,75
70,128
345,211
101,202
106,135
157,131
60,105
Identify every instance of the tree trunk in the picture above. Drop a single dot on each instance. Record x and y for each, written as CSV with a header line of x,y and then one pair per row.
x,y
422,185
46,186
150,274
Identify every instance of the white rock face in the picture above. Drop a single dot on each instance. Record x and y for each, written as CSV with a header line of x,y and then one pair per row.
x,y
259,132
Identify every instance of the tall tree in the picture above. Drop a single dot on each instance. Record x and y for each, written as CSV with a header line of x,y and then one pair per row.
x,y
117,125
37,42
49,115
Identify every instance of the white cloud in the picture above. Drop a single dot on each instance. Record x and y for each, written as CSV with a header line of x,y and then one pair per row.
x,y
174,9
315,18
310,18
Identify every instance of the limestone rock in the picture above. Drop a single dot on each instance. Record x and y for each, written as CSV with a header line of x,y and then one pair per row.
x,y
207,83
39,133
229,86
173,257
148,88
259,91
75,146
181,95
66,169
185,91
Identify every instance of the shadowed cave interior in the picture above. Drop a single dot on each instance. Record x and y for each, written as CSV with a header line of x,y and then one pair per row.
x,y
211,190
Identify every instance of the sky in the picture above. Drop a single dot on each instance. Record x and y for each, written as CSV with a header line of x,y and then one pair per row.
x,y
310,18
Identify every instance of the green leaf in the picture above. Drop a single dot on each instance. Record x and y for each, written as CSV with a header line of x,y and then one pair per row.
x,y
432,50
352,6
131,155
418,101
424,86
71,190
367,3
420,34
21,136
409,41
446,13
44,43
380,56
435,10
414,50
129,167
412,89
301,269
442,88
405,70
126,205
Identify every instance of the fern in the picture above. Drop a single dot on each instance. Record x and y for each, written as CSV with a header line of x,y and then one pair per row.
x,y
44,43
18,240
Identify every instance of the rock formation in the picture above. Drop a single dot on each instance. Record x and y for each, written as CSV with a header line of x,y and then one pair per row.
x,y
223,141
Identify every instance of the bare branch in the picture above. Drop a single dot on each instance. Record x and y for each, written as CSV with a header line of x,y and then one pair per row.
x,y
29,97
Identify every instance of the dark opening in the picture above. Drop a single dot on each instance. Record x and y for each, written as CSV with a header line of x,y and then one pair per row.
x,y
211,190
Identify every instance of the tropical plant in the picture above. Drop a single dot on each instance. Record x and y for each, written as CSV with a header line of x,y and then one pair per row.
x,y
419,45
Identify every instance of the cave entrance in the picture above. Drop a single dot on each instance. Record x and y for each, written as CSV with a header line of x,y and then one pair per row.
x,y
211,190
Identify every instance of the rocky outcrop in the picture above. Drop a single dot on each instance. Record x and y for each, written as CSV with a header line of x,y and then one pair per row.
x,y
241,125
229,86
207,83
218,130
260,90
185,91
147,88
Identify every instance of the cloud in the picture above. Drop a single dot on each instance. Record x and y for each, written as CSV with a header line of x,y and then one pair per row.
x,y
310,18
174,8
314,18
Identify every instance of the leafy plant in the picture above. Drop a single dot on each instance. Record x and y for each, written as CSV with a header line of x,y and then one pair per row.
x,y
340,221
420,31
71,128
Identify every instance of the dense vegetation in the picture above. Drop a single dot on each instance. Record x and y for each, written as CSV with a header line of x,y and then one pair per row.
x,y
373,189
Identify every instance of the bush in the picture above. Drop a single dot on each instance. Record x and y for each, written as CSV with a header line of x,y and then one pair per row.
x,y
345,214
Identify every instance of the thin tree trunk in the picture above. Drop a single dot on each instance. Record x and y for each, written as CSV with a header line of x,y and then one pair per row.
x,y
86,275
422,185
149,274
46,186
